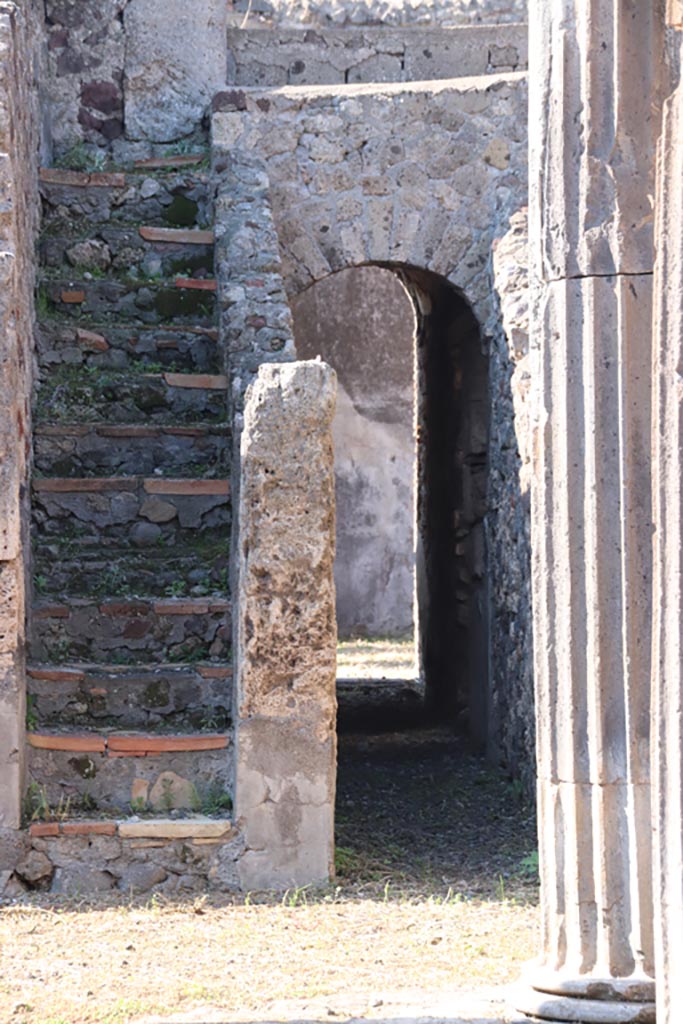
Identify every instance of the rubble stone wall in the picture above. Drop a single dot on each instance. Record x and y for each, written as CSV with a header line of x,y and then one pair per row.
x,y
19,147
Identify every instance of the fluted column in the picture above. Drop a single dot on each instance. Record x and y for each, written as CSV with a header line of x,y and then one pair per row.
x,y
668,592
594,120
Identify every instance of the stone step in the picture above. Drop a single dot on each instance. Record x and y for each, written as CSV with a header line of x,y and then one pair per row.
x,y
126,251
90,395
137,302
108,346
116,772
91,450
178,197
182,852
182,697
98,513
128,632
61,568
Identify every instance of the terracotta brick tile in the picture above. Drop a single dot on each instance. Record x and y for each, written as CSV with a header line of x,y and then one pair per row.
x,y
220,606
158,485
89,828
57,675
72,297
133,745
51,611
44,828
92,341
127,753
88,744
159,162
196,607
59,430
84,485
128,430
167,343
209,381
97,691
125,607
111,179
185,431
214,671
178,235
201,284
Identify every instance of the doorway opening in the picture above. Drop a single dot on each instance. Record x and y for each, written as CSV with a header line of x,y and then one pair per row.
x,y
411,460
411,439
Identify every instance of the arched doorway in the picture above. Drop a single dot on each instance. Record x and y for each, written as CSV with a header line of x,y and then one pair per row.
x,y
411,537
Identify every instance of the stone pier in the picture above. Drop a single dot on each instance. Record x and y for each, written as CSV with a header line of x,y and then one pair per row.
x,y
595,117
285,658
667,695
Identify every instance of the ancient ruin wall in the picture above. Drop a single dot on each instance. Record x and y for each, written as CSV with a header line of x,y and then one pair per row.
x,y
373,12
422,176
19,145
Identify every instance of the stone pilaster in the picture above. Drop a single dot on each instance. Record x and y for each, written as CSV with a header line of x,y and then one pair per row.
x,y
667,695
285,659
594,120
19,140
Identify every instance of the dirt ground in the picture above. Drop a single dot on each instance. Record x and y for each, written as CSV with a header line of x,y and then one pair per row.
x,y
432,910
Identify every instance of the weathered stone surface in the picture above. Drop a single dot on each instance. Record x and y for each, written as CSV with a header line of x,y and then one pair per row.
x,y
141,877
596,109
362,323
595,115
79,880
182,828
175,61
667,592
285,631
171,791
35,868
389,12
274,57
19,146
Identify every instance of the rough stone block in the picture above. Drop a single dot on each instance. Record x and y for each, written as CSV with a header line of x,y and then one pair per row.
x,y
175,62
286,630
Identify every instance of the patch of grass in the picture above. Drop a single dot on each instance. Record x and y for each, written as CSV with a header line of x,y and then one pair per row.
x,y
80,157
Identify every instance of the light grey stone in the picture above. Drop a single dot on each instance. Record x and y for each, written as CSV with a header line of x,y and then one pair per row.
x,y
175,62
80,879
144,535
286,662
35,867
141,877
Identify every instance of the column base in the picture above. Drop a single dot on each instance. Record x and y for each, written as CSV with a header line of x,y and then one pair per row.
x,y
546,996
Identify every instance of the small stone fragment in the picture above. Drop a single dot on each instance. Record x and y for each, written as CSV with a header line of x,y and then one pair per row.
x,y
91,254
144,535
35,868
141,877
172,792
158,511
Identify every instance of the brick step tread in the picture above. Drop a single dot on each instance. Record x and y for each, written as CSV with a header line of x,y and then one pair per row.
x,y
177,236
80,671
159,163
135,301
205,284
192,381
114,744
116,607
195,827
99,330
81,395
150,485
71,283
121,430
118,179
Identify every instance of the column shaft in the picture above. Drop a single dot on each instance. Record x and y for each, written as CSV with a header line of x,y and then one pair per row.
x,y
667,695
595,99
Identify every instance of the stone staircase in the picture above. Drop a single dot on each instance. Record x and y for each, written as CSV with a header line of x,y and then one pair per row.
x,y
129,679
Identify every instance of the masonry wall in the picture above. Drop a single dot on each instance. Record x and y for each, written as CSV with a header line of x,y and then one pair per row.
x,y
19,147
372,12
423,176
